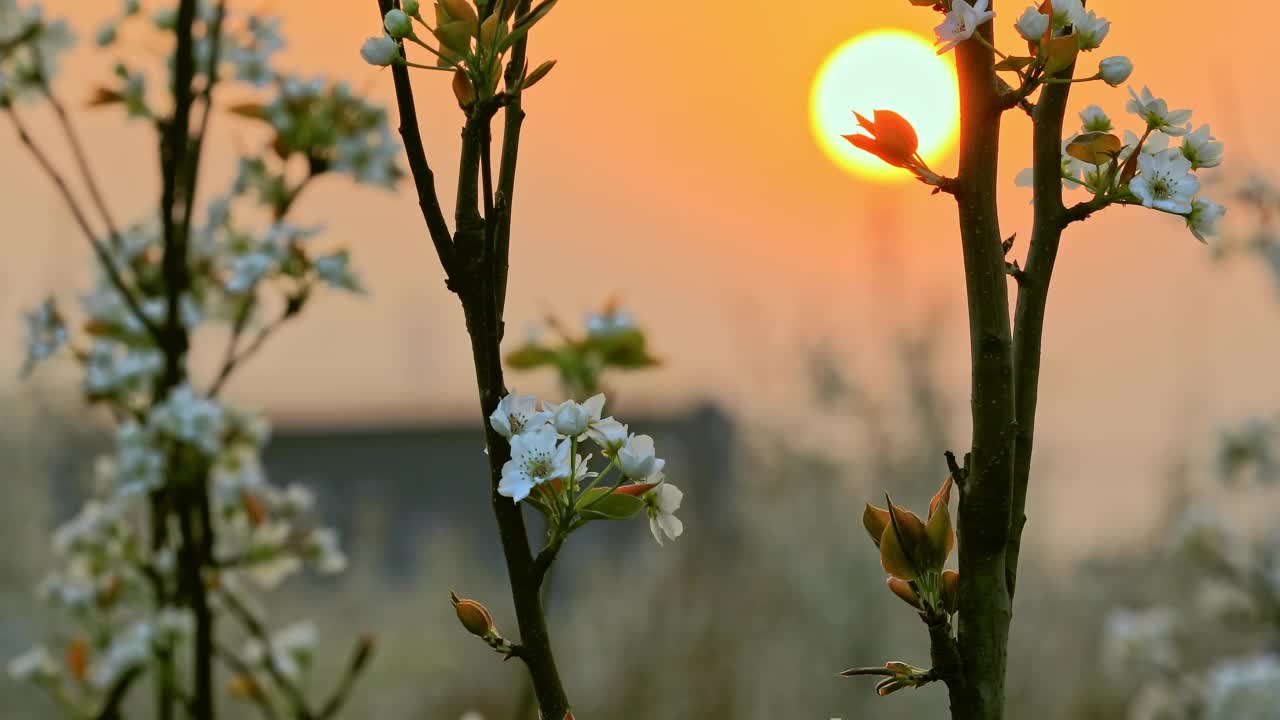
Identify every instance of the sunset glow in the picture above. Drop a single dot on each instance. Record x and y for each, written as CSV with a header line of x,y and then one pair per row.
x,y
884,69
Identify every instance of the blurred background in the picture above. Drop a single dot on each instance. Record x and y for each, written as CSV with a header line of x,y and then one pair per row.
x,y
814,354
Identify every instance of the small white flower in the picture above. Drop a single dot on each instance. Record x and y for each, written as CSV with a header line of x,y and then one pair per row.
x,y
1202,149
609,434
247,270
1134,641
1091,30
611,322
1115,70
963,20
1204,217
186,416
661,503
637,460
1165,182
1032,25
1093,119
1066,12
131,649
381,51
290,652
573,419
34,665
46,333
322,545
398,24
517,414
268,574
1155,111
335,271
536,457
1245,689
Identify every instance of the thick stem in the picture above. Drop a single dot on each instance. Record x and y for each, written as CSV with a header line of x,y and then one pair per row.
x,y
1033,296
985,501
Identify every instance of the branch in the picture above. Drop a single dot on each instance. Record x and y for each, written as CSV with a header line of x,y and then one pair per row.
x,y
423,177
104,256
514,122
234,357
118,691
81,158
1082,210
360,656
259,632
241,668
191,177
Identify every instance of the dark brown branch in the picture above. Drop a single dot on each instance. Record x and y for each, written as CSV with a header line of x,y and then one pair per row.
x,y
423,177
359,660
983,523
513,124
116,694
81,160
104,256
191,174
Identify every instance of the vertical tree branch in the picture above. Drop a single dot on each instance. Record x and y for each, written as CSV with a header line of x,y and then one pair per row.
x,y
1033,296
985,500
513,124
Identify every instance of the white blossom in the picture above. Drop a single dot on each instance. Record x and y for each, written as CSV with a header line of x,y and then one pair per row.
x,y
1094,119
1066,12
637,457
188,417
290,649
46,333
1115,70
381,51
963,20
323,548
1165,182
1032,25
573,419
517,414
1204,217
335,271
609,323
1202,149
1156,113
1138,640
661,503
34,665
536,457
1091,29
139,462
128,650
609,434
1245,690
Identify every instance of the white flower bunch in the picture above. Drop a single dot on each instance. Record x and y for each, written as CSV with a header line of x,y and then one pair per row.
x,y
547,470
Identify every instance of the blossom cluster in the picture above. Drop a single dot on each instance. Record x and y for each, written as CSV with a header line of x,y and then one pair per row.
x,y
31,47
547,470
470,40
610,339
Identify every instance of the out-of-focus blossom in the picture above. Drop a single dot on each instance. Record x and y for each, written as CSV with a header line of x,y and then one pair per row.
x,y
1246,689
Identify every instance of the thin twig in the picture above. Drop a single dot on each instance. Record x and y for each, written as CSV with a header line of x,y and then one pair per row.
x,y
234,359
259,632
359,660
103,254
81,159
241,668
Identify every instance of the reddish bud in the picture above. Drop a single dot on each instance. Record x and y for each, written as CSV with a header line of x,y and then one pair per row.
x,y
78,659
473,616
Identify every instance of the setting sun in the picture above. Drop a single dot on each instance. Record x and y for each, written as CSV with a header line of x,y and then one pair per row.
x,y
884,69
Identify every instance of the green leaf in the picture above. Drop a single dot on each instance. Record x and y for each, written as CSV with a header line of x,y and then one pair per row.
x,y
608,505
524,23
1013,63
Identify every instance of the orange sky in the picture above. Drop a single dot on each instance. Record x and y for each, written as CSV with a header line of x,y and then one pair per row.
x,y
668,159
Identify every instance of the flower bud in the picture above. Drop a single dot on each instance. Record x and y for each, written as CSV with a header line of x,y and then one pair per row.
x,y
244,687
398,24
570,419
1115,70
459,10
473,616
538,73
381,51
463,90
903,590
1032,25
78,659
410,7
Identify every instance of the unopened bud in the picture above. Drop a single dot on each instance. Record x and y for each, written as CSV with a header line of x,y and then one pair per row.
x,y
244,687
463,89
539,73
78,659
473,616
460,10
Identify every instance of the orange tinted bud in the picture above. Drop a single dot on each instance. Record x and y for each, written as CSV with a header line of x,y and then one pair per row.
x,y
244,687
108,591
253,507
463,90
942,497
473,616
903,590
460,10
78,659
951,591
635,490
875,521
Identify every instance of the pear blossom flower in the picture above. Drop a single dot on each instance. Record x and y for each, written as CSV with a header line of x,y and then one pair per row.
x,y
661,504
1094,119
1244,689
186,416
609,434
636,458
1032,25
517,414
1115,70
1066,12
1204,217
398,24
1090,29
963,20
335,271
536,457
381,51
322,546
1202,149
1165,182
573,419
34,665
46,333
290,649
1155,111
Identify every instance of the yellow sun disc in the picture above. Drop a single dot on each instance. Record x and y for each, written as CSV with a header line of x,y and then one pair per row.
x,y
885,70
